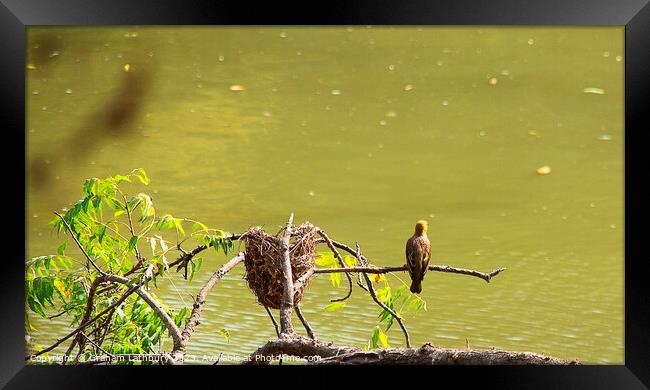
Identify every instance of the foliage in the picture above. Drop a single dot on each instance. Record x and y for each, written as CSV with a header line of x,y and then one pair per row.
x,y
402,302
124,236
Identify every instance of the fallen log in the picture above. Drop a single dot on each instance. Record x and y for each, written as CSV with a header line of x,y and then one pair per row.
x,y
317,352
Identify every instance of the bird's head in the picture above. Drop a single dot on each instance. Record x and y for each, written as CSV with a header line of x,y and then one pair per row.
x,y
421,227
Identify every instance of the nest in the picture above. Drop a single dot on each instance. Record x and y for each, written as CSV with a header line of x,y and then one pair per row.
x,y
263,262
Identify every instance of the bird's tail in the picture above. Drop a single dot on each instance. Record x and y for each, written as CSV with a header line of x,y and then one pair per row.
x,y
416,286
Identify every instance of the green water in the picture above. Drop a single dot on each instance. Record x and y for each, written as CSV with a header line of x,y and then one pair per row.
x,y
361,131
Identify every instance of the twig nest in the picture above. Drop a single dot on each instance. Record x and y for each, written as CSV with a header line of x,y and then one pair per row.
x,y
263,262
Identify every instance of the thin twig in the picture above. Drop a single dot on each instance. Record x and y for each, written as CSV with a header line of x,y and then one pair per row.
x,y
74,237
363,261
341,263
275,324
308,328
95,344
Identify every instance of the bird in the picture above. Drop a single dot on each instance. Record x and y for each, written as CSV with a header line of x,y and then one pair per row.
x,y
418,253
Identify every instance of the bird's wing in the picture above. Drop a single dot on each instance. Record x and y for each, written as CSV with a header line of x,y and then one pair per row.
x,y
426,251
412,260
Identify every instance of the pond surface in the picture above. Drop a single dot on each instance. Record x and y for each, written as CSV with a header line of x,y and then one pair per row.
x,y
362,131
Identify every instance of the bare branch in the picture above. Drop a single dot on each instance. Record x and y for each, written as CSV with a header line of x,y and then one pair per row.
x,y
341,263
438,268
95,344
317,352
179,350
308,328
286,307
275,324
297,346
87,312
371,289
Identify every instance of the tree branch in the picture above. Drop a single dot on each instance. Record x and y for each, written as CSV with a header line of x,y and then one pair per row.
x,y
341,263
317,352
128,292
371,289
298,346
286,307
179,350
438,268
308,328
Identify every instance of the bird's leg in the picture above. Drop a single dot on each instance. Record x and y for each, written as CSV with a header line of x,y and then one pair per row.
x,y
310,331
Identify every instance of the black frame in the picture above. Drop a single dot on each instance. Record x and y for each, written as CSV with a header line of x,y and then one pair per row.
x,y
15,15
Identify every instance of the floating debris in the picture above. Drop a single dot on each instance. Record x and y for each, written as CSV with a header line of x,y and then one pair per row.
x,y
545,170
126,67
408,87
604,137
267,114
493,81
531,41
391,114
336,92
391,67
445,103
237,88
312,193
382,122
55,54
597,91
68,91
283,34
533,133
505,72
35,92
482,133
606,54
31,67
619,58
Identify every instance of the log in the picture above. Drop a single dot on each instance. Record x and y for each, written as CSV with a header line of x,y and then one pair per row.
x,y
319,353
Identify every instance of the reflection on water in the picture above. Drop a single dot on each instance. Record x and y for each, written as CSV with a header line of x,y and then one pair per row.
x,y
361,130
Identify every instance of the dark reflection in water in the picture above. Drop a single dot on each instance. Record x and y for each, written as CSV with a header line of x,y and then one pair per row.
x,y
114,119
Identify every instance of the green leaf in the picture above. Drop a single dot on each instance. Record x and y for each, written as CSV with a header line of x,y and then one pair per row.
x,y
335,306
61,249
379,338
225,333
335,279
178,223
192,270
102,233
326,260
141,175
199,261
132,243
198,226
350,261
36,307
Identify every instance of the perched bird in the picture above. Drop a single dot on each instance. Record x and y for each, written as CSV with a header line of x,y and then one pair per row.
x,y
418,253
